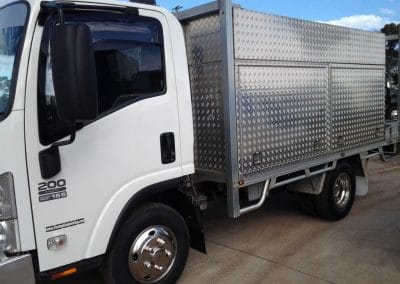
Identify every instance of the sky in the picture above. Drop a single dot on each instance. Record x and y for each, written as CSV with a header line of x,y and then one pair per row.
x,y
369,15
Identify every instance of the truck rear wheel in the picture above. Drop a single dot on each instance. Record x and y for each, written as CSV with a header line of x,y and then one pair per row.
x,y
336,200
151,247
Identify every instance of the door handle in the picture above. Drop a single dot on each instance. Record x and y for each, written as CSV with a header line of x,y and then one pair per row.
x,y
167,142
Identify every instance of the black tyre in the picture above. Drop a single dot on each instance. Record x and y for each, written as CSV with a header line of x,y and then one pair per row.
x,y
391,113
337,197
151,247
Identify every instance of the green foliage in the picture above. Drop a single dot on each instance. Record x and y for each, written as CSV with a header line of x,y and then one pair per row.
x,y
392,64
391,29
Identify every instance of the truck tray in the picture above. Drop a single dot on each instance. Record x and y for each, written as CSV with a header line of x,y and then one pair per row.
x,y
272,95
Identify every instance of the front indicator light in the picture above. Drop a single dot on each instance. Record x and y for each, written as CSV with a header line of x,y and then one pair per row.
x,y
9,232
8,209
9,236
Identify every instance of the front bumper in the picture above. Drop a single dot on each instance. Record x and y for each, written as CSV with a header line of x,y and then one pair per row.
x,y
17,269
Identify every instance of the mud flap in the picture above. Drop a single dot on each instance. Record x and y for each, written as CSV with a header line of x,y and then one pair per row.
x,y
361,186
190,208
196,231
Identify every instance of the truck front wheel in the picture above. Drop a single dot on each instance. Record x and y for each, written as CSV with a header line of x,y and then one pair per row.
x,y
337,197
151,247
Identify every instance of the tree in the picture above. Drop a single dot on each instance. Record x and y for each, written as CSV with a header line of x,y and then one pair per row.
x,y
392,69
391,29
392,46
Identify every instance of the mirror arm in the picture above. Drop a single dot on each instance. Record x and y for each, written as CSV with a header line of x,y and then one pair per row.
x,y
49,159
47,8
61,14
71,140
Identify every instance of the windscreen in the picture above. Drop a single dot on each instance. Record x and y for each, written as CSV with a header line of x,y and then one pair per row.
x,y
12,23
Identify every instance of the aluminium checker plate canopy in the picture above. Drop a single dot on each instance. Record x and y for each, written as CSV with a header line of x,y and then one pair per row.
x,y
273,95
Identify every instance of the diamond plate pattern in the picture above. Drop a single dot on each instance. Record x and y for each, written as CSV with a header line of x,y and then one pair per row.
x,y
283,115
203,49
357,107
268,37
208,117
304,90
203,40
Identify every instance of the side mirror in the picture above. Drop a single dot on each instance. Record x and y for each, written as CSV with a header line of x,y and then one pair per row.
x,y
75,85
74,72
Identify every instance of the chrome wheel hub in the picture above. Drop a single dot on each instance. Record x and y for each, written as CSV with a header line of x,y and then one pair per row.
x,y
152,254
394,114
342,190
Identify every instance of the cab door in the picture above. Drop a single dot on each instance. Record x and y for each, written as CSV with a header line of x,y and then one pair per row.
x,y
117,154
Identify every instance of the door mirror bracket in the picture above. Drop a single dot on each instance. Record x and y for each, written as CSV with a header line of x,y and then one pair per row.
x,y
49,159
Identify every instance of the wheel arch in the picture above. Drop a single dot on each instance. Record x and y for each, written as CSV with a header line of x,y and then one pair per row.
x,y
155,193
112,215
167,193
357,164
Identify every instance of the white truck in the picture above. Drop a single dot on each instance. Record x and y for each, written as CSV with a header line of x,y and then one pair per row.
x,y
118,119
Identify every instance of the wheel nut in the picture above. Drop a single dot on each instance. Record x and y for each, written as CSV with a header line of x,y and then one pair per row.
x,y
147,248
159,268
147,264
160,241
168,253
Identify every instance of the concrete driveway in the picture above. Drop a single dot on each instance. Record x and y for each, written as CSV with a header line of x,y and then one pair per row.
x,y
280,244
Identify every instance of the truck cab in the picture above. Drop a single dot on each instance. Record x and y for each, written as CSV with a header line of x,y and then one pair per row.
x,y
64,187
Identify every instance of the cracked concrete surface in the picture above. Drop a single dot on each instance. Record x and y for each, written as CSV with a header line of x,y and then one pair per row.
x,y
280,244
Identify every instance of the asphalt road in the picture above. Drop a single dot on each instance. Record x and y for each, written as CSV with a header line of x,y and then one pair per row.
x,y
281,244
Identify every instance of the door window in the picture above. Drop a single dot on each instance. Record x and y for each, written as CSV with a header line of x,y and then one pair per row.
x,y
129,60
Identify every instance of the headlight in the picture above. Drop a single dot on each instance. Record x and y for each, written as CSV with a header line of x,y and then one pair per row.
x,y
8,209
9,234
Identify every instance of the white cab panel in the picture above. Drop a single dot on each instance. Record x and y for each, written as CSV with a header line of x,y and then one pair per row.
x,y
12,159
110,161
